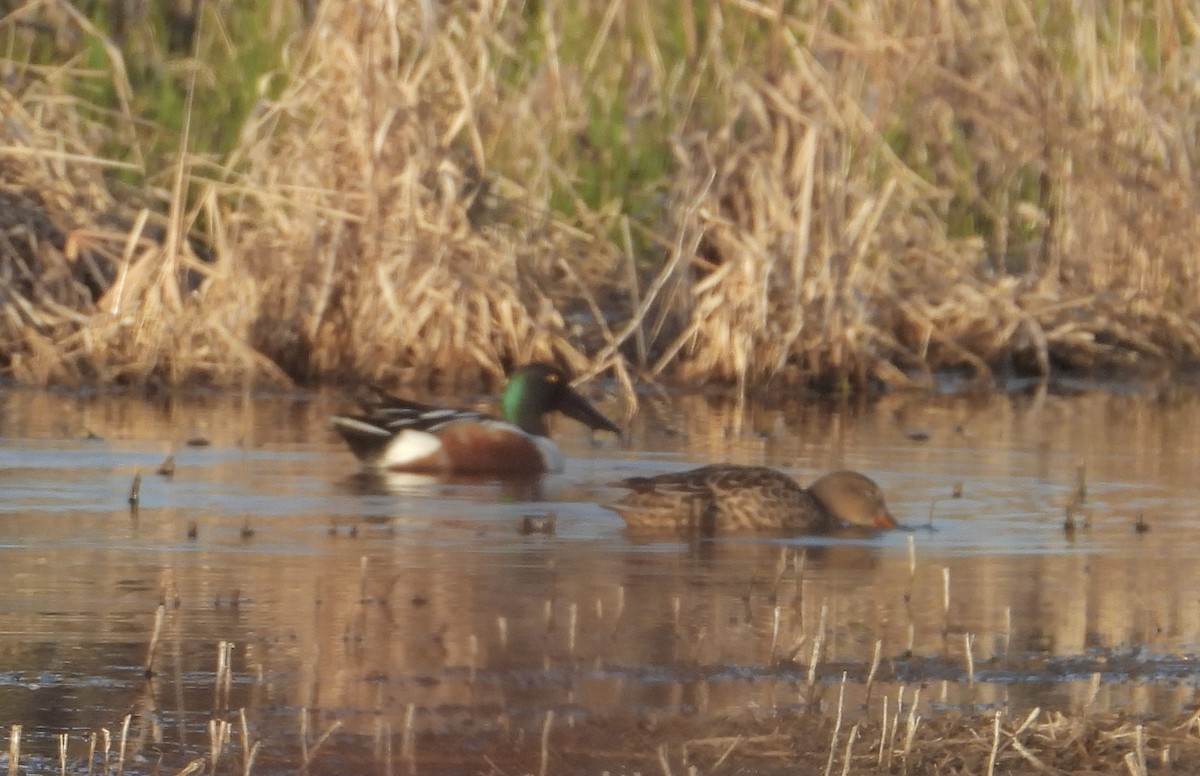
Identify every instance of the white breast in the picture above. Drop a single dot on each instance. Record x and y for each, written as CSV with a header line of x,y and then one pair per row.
x,y
550,454
409,446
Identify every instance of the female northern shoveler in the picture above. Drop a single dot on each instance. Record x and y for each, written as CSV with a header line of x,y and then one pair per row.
x,y
730,499
400,435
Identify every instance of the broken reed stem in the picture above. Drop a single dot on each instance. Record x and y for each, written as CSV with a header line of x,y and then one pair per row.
x,y
304,758
774,635
135,491
14,750
1139,749
573,622
728,752
248,752
837,726
968,645
224,679
991,767
386,733
159,615
316,747
914,719
218,736
408,739
875,658
199,765
107,736
850,749
895,725
1007,629
124,741
818,641
546,742
798,597
251,758
883,733
62,753
946,594
663,762
91,752
1191,721
1030,718
502,630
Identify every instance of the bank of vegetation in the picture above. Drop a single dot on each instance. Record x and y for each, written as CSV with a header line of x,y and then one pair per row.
x,y
759,194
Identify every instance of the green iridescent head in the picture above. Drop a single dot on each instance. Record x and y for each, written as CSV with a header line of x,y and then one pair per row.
x,y
537,389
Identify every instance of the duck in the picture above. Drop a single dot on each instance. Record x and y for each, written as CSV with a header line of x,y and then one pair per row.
x,y
724,499
395,434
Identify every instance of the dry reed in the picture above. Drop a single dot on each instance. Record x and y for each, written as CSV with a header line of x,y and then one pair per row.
x,y
861,196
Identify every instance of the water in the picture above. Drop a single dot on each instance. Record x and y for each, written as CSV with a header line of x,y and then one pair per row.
x,y
386,605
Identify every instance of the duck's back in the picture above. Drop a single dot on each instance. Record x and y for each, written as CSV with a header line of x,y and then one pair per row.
x,y
722,499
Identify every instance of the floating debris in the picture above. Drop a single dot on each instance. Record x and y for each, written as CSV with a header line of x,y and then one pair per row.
x,y
198,441
135,490
1081,484
537,524
1141,526
918,434
167,467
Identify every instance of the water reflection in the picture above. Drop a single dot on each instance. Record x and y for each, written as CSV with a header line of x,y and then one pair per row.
x,y
381,603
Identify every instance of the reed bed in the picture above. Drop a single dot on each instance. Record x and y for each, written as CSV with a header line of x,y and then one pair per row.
x,y
896,743
840,196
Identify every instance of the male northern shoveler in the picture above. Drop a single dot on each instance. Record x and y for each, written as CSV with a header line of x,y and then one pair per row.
x,y
400,435
731,499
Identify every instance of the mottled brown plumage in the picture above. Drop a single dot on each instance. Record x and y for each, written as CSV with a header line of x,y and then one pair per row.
x,y
731,499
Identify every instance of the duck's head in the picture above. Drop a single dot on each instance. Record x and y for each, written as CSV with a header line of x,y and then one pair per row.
x,y
854,499
536,389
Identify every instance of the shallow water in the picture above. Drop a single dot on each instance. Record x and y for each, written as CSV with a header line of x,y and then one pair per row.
x,y
386,605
